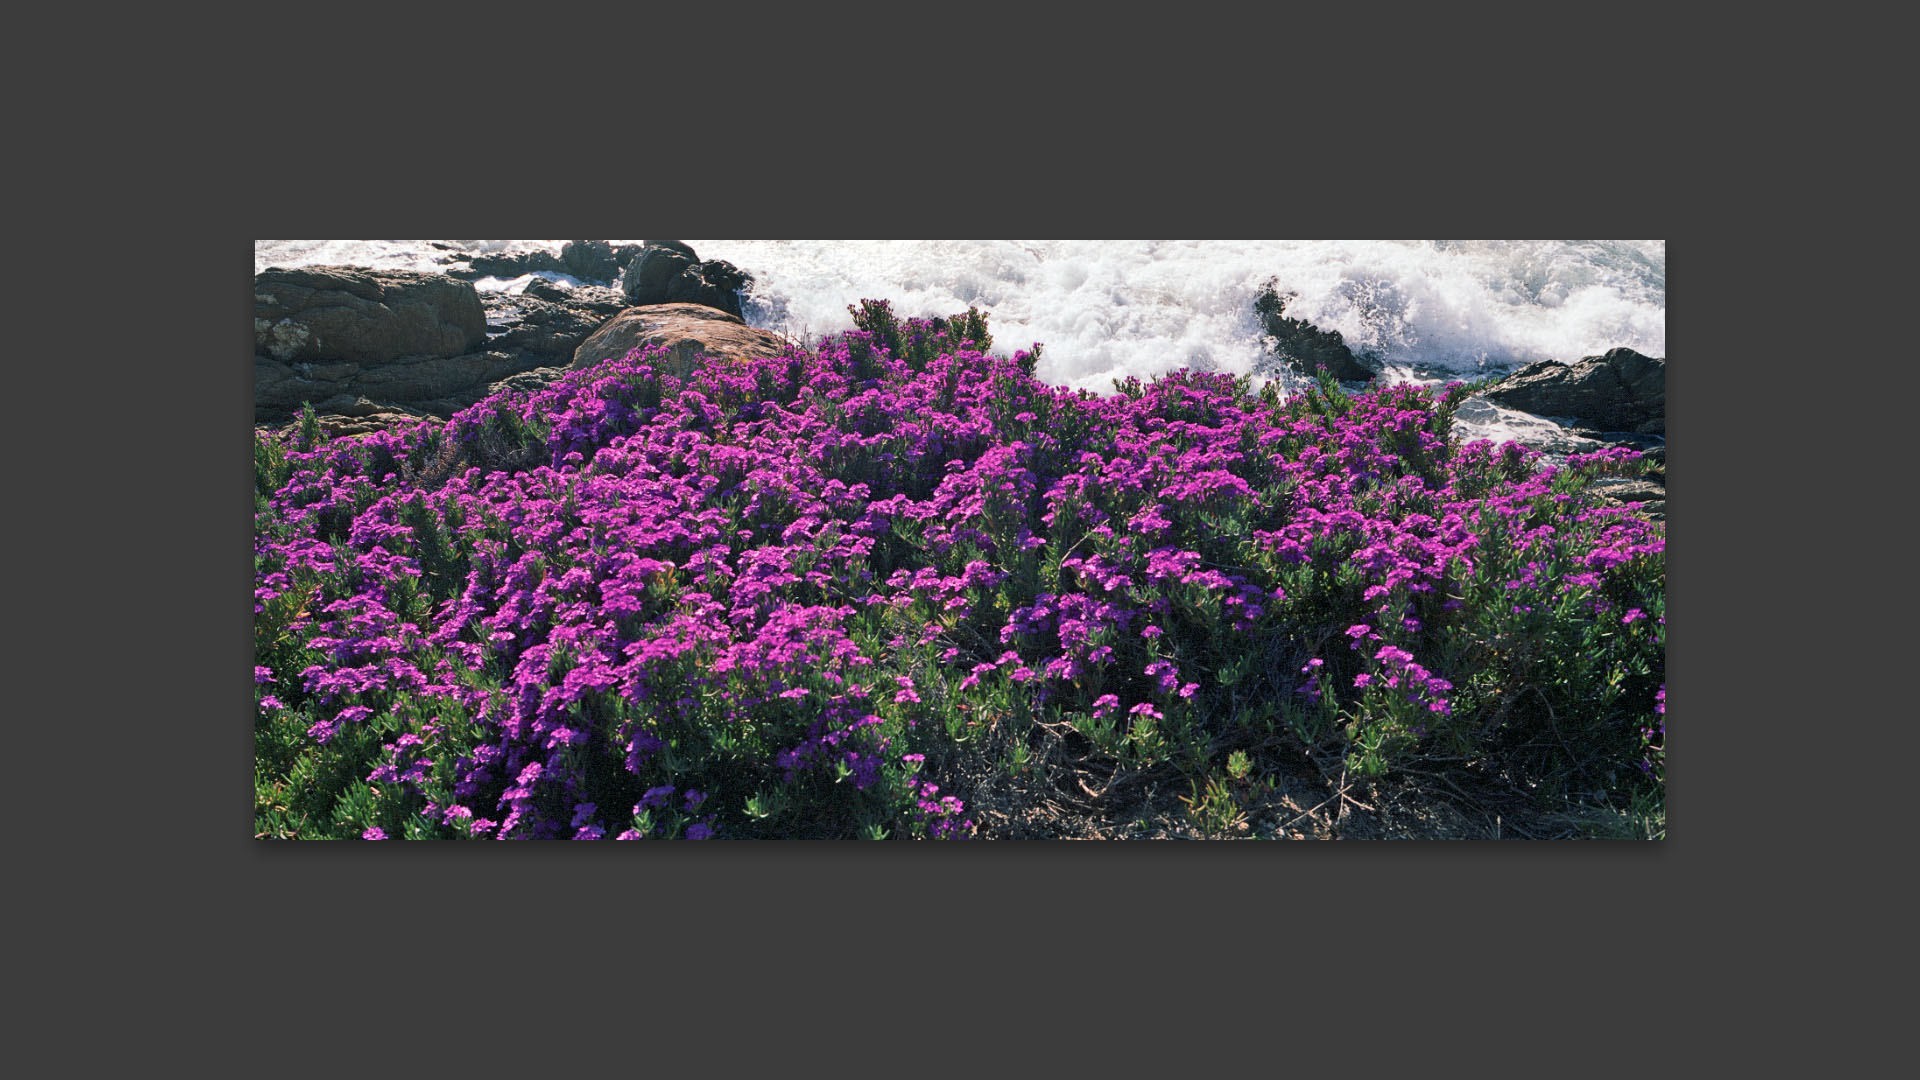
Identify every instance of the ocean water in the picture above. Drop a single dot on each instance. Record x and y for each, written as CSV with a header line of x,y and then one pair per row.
x,y
1429,310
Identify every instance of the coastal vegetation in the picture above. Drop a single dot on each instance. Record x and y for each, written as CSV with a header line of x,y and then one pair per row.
x,y
891,585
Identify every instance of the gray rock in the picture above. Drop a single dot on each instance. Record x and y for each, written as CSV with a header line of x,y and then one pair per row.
x,y
1620,390
542,289
668,272
715,283
428,385
537,379
646,278
361,316
545,325
589,260
514,265
427,378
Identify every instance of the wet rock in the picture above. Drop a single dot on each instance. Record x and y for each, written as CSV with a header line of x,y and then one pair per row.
x,y
547,322
542,289
673,245
647,276
589,260
1618,391
1303,346
668,272
514,265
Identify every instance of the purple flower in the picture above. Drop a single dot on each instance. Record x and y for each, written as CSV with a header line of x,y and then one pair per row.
x,y
374,833
703,549
1392,656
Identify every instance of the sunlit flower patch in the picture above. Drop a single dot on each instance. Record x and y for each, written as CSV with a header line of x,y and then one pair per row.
x,y
770,599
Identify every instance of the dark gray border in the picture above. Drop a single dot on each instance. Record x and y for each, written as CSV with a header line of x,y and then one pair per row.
x,y
1299,929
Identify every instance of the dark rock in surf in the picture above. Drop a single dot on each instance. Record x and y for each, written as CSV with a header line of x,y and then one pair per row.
x,y
512,265
590,260
646,278
1303,346
541,289
547,322
668,272
1620,391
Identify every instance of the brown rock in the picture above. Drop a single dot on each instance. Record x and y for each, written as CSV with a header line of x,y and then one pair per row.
x,y
692,331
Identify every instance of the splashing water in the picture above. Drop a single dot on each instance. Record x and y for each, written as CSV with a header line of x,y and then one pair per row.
x,y
1107,309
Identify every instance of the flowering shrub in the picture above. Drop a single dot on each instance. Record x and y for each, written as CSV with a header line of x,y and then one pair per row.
x,y
770,599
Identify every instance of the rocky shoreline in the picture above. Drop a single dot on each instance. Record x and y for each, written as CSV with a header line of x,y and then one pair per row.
x,y
1618,398
374,349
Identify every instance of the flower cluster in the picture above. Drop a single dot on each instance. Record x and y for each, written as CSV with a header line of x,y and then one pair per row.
x,y
566,612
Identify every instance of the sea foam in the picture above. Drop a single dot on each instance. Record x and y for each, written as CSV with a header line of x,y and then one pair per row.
x,y
1107,309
